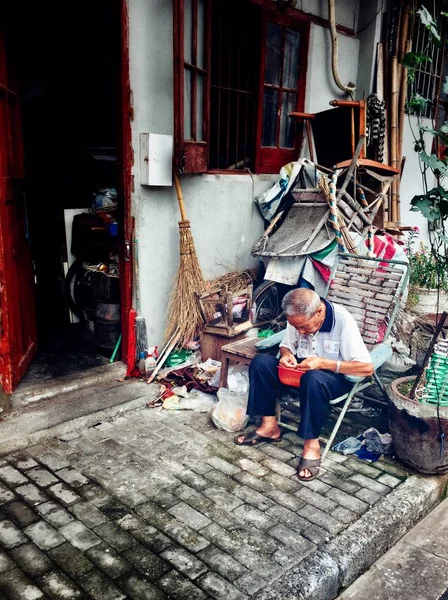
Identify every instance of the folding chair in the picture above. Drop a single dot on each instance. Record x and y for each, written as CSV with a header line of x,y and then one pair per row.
x,y
371,289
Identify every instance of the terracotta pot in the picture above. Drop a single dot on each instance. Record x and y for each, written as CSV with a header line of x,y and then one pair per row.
x,y
415,431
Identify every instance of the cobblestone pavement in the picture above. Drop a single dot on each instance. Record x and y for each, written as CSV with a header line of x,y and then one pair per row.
x,y
157,504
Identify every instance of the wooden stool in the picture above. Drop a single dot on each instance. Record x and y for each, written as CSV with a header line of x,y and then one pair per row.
x,y
240,352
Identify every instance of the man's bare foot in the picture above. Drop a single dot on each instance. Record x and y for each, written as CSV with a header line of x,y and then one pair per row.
x,y
268,429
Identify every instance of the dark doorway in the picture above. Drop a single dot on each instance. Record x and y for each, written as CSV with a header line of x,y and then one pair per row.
x,y
68,66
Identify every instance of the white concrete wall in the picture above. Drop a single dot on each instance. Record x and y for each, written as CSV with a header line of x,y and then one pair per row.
x,y
411,183
370,30
320,86
224,219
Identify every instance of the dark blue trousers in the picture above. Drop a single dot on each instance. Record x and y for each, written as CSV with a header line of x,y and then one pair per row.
x,y
316,390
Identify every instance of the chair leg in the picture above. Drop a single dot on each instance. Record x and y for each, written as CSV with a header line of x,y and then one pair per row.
x,y
278,414
381,385
338,423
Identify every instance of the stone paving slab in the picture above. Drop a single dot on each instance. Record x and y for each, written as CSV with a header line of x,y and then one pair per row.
x,y
415,568
159,504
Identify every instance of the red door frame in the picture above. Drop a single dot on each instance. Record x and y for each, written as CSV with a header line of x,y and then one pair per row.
x,y
18,335
126,254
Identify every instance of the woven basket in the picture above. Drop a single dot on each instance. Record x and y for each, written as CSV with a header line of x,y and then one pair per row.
x,y
290,376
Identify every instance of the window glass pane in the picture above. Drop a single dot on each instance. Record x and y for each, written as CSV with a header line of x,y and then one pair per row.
x,y
268,137
273,54
199,107
291,59
188,17
287,125
187,104
201,29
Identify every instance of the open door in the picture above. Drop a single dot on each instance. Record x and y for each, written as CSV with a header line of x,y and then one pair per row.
x,y
18,334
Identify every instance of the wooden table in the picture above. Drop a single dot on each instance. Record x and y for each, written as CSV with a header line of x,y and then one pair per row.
x,y
241,352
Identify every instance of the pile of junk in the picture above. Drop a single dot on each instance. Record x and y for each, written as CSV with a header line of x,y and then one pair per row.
x,y
92,282
312,214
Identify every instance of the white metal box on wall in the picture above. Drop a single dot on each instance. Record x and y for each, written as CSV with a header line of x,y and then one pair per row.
x,y
156,159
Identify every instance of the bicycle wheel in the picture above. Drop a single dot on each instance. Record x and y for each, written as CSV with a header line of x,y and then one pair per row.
x,y
78,291
267,300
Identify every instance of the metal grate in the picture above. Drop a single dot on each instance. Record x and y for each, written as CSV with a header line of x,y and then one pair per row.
x,y
235,36
429,75
304,230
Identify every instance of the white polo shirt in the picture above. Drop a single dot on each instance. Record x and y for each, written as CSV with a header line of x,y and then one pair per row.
x,y
338,338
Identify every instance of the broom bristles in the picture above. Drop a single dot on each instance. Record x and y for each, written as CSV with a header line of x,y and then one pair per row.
x,y
184,314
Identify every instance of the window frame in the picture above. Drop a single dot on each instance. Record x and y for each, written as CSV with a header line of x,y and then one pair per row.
x,y
271,159
190,156
193,156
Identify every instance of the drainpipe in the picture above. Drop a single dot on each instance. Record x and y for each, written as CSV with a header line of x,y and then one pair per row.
x,y
350,88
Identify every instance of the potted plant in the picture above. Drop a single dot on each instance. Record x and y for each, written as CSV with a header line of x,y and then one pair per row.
x,y
428,293
429,264
417,423
416,427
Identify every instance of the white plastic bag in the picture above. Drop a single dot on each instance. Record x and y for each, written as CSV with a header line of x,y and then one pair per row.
x,y
238,379
230,412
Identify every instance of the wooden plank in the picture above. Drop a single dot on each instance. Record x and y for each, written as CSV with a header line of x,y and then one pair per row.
x,y
362,285
391,284
245,348
361,271
358,312
341,277
388,275
374,266
355,290
379,303
386,297
373,321
375,315
345,299
370,306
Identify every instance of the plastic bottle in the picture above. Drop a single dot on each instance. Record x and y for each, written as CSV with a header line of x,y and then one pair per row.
x,y
150,361
141,363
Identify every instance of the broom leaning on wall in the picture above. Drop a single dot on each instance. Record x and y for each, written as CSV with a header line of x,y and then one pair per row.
x,y
184,316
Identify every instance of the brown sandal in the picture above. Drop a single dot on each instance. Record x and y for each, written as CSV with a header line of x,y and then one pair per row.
x,y
253,439
312,465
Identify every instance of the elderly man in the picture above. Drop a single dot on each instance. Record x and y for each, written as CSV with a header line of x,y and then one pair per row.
x,y
324,338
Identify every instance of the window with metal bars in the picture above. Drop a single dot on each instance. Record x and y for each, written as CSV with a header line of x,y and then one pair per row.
x,y
429,74
239,72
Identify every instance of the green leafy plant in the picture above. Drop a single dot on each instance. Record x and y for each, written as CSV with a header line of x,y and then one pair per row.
x,y
429,265
425,269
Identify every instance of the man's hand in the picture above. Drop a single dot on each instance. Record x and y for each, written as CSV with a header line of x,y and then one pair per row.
x,y
288,360
312,363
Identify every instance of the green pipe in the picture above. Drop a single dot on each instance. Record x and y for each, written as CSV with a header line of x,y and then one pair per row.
x,y
114,353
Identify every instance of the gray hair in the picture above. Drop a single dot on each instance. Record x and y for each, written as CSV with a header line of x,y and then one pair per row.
x,y
301,301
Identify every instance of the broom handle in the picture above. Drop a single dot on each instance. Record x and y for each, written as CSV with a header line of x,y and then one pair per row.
x,y
180,198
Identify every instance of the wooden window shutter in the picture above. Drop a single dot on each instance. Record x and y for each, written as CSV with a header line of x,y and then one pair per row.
x,y
191,29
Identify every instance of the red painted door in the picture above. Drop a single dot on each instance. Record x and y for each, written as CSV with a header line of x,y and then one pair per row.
x,y
18,335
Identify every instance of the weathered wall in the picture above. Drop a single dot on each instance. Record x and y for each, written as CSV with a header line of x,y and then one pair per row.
x,y
225,222
411,183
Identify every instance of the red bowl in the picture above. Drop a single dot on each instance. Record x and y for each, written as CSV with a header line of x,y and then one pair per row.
x,y
289,376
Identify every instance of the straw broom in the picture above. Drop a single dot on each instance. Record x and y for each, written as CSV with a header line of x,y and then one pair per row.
x,y
184,317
